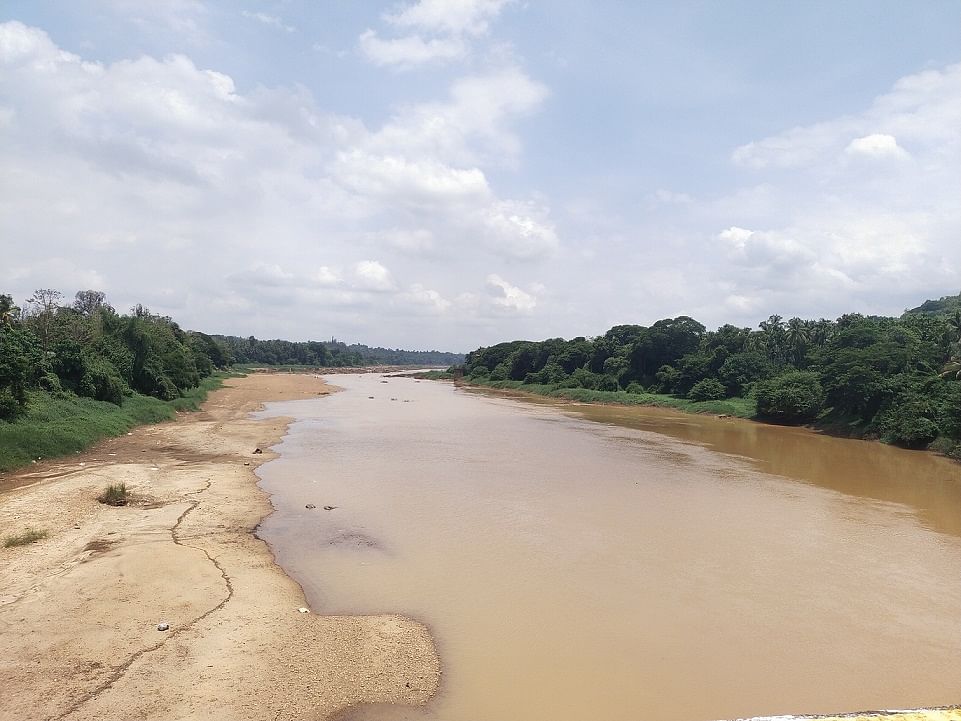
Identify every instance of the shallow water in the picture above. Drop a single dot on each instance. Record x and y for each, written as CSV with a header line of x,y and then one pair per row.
x,y
580,562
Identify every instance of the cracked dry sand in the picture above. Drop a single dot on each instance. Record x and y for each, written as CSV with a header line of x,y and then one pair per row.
x,y
79,609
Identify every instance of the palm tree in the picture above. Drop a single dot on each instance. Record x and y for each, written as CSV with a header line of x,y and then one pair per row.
x,y
798,338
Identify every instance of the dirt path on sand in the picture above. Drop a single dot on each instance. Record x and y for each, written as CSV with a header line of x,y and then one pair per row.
x,y
79,609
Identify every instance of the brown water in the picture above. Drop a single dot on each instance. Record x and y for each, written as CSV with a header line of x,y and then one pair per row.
x,y
582,562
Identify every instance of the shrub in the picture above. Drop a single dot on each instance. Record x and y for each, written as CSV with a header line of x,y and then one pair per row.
x,y
792,397
31,535
10,407
114,495
707,390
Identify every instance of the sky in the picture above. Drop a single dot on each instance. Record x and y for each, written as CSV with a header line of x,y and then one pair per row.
x,y
446,174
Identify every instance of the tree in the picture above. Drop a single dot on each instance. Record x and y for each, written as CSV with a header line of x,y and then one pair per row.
x,y
795,396
741,370
9,313
88,302
20,364
41,310
797,340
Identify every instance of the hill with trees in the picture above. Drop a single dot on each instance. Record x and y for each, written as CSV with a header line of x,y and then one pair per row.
x,y
897,379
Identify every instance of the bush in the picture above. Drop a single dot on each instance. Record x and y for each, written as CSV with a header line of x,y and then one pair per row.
x,y
10,407
102,382
114,495
792,397
707,390
909,421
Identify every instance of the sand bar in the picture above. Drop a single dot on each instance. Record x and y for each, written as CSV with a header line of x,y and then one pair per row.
x,y
79,610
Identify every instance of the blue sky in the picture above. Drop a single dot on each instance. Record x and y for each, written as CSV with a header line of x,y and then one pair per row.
x,y
454,173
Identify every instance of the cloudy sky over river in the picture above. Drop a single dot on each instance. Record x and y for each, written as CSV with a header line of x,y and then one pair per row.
x,y
446,174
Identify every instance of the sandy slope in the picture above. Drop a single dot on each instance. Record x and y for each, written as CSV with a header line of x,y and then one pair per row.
x,y
79,610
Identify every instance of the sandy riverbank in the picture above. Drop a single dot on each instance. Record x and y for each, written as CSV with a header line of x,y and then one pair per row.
x,y
79,609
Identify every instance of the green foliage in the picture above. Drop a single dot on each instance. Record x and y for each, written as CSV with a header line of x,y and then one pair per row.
x,y
31,535
883,377
707,390
55,426
114,494
740,407
792,397
20,364
741,371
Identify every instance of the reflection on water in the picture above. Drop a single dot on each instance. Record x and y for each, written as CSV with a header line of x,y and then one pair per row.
x,y
649,566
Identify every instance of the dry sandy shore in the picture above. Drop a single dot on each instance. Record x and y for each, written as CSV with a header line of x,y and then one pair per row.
x,y
79,609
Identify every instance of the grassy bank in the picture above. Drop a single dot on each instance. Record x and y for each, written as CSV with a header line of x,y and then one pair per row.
x,y
740,407
55,425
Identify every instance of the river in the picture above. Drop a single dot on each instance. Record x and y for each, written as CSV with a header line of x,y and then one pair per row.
x,y
582,562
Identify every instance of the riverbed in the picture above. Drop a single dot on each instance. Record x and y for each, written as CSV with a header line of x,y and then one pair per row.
x,y
577,562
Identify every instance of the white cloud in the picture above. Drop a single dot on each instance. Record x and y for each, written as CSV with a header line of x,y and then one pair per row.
x,y
371,275
520,230
510,297
443,31
846,223
417,182
410,50
271,20
418,295
876,145
922,108
256,198
455,17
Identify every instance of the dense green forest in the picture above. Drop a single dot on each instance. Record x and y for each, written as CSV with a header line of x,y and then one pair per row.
x,y
897,379
327,353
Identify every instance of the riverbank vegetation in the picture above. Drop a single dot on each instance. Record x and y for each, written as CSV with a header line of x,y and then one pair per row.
x,y
896,379
73,373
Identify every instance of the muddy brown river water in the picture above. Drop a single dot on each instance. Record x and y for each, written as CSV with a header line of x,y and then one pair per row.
x,y
599,562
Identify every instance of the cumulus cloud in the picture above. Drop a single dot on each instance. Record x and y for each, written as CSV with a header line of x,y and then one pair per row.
x,y
510,297
876,145
440,30
371,275
853,219
520,230
155,167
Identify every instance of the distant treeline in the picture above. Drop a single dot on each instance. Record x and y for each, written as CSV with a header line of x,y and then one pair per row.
x,y
331,353
898,379
86,349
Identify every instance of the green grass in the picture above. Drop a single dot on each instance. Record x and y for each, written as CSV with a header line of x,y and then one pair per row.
x,y
31,535
114,495
56,425
740,407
